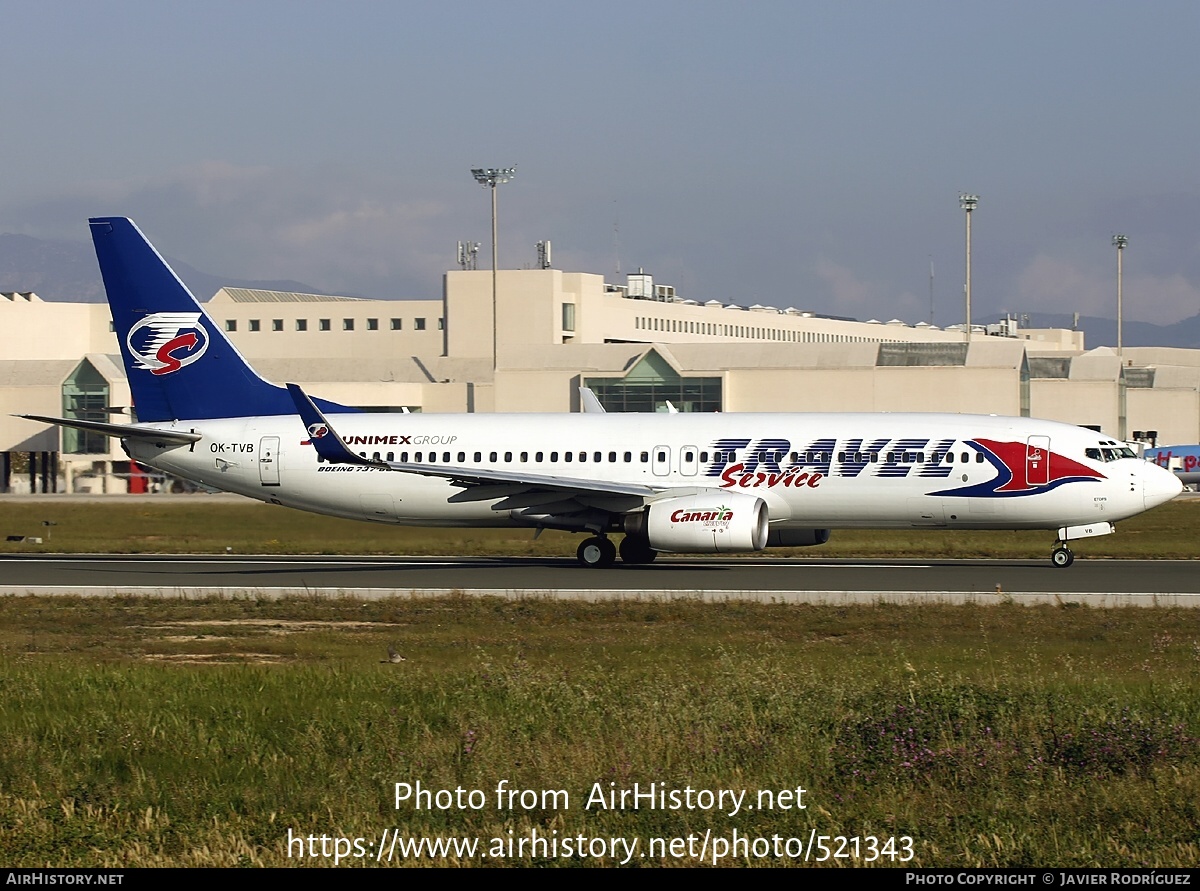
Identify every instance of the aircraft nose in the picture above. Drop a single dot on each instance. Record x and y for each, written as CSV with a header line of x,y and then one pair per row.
x,y
1159,485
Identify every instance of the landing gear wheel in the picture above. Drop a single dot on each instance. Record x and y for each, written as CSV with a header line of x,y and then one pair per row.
x,y
597,553
635,551
1062,556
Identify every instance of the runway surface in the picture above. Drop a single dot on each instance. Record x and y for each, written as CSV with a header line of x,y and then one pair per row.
x,y
1094,582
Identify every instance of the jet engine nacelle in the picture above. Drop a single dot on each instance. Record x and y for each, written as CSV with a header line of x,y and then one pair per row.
x,y
709,523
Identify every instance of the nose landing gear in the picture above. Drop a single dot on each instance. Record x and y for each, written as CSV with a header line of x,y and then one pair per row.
x,y
1062,556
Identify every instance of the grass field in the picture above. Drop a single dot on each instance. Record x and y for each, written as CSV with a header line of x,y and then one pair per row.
x,y
146,732
207,525
138,732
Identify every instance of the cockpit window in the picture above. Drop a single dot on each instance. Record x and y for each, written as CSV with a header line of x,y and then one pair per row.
x,y
1110,453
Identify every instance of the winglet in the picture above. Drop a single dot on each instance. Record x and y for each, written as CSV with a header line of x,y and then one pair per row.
x,y
329,445
588,403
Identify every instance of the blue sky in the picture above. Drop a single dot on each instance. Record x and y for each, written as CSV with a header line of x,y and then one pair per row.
x,y
792,154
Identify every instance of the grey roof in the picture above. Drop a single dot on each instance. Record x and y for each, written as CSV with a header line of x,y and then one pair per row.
x,y
253,295
35,372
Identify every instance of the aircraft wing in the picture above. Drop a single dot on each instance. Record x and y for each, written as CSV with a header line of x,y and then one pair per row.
x,y
124,431
501,483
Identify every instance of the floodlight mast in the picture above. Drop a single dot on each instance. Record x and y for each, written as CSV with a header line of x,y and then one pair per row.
x,y
968,203
492,177
1120,242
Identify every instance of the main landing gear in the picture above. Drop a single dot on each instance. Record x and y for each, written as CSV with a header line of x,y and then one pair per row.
x,y
1061,556
598,552
635,551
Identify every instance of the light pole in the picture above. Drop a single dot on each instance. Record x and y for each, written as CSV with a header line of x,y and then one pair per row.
x,y
1120,242
492,177
968,203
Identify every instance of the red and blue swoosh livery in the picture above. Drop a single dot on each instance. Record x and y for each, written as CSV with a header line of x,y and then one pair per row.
x,y
1023,468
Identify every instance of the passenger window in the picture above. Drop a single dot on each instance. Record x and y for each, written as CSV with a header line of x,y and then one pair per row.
x,y
965,457
445,457
418,458
524,457
568,456
582,457
662,456
645,457
462,457
391,456
628,457
404,457
553,457
508,457
492,457
538,457
612,456
979,457
478,457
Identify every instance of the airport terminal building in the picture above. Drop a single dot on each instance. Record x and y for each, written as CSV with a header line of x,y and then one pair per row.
x,y
637,344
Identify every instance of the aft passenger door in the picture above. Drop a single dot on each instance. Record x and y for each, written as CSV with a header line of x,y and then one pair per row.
x,y
268,460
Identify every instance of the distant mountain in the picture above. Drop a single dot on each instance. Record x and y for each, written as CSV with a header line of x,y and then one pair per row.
x,y
67,271
1103,332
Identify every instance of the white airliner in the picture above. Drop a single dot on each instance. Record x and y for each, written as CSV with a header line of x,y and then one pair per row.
x,y
681,483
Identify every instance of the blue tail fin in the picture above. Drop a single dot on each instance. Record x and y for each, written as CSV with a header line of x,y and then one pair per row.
x,y
179,363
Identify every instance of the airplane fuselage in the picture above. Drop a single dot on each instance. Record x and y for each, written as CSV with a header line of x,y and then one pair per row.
x,y
812,471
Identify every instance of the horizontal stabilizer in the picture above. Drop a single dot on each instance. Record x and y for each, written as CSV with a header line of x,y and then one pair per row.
x,y
124,431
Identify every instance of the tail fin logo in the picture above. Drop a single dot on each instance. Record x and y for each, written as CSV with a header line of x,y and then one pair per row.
x,y
164,342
